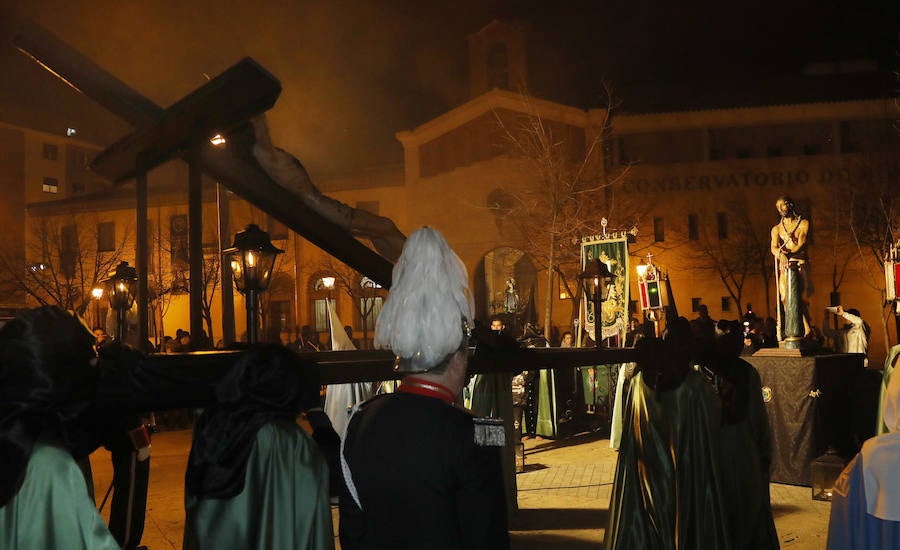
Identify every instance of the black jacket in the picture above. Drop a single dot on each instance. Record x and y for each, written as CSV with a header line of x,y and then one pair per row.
x,y
421,479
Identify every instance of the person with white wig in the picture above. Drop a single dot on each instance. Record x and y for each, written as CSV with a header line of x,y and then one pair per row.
x,y
421,472
865,507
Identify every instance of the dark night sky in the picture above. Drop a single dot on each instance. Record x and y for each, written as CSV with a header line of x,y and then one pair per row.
x,y
355,72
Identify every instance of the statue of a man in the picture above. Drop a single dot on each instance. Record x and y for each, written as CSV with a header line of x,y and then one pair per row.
x,y
789,237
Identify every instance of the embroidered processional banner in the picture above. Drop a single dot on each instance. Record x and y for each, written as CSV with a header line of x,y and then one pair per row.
x,y
612,249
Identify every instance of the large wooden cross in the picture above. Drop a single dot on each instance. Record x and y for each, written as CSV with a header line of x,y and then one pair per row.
x,y
184,129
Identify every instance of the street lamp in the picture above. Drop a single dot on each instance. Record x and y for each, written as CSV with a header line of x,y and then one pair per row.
x,y
97,295
595,282
120,286
252,259
328,283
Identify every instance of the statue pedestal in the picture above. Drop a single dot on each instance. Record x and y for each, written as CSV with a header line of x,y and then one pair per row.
x,y
812,402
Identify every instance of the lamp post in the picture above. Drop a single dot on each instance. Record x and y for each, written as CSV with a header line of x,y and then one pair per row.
x,y
97,295
252,259
595,282
120,287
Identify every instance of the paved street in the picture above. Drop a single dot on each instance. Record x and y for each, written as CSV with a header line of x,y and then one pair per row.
x,y
563,496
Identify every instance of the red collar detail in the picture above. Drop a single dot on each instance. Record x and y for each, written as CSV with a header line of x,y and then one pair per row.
x,y
418,386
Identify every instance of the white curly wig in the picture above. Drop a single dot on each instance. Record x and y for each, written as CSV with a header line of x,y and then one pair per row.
x,y
422,321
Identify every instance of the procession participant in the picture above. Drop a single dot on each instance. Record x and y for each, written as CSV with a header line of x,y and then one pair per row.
x,y
746,443
248,450
47,382
413,456
853,337
667,491
865,506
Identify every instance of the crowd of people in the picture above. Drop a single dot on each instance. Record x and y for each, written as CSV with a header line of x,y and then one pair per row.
x,y
266,461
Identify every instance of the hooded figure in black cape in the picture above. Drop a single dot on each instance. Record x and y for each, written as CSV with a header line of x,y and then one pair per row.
x,y
667,492
746,442
255,479
48,380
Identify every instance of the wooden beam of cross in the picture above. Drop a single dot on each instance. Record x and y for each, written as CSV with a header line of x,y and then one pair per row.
x,y
245,179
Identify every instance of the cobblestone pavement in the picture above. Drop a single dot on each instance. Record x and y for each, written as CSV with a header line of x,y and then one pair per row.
x,y
563,496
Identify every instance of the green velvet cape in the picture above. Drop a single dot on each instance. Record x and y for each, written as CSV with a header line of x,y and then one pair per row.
x,y
284,502
667,492
52,508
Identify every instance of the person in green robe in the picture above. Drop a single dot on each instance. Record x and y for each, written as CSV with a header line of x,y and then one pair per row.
x,y
255,479
47,382
667,492
746,441
889,363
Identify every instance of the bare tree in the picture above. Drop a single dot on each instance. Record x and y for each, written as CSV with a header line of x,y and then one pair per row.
x,y
211,278
734,253
62,261
873,218
565,200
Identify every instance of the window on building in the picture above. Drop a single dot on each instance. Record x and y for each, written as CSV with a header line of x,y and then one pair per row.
x,y
50,152
722,224
693,227
868,135
774,151
321,312
742,153
662,147
50,185
695,304
498,66
812,149
78,187
106,236
373,307
78,161
68,250
726,303
319,291
659,230
178,241
370,302
277,230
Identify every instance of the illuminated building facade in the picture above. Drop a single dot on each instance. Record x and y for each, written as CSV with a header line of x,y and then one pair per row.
x,y
700,187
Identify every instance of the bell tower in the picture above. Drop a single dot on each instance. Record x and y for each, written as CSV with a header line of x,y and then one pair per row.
x,y
496,59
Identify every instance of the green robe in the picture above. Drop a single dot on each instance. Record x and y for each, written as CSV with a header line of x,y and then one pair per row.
x,y
745,459
547,417
880,428
52,508
284,502
668,485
